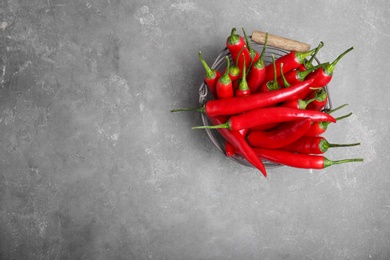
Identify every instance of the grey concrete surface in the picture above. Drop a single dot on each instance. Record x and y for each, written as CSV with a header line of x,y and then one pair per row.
x,y
93,165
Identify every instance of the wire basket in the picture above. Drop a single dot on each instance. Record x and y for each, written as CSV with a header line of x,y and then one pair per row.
x,y
205,95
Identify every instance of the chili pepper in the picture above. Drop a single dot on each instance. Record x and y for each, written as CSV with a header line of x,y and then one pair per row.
x,y
269,115
283,135
309,64
256,72
297,160
224,84
229,149
236,45
236,105
313,145
264,127
234,72
319,99
324,74
295,76
211,76
254,55
243,89
271,85
291,61
237,140
318,128
298,103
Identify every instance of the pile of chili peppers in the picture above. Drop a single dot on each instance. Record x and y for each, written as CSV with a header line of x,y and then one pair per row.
x,y
271,111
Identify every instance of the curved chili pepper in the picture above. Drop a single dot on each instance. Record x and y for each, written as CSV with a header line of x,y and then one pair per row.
x,y
211,76
298,103
296,76
291,61
281,136
236,105
237,140
323,75
267,115
319,99
224,84
318,128
256,73
243,89
236,45
313,145
297,160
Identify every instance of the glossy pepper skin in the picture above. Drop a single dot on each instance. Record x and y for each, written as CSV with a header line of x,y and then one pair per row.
x,y
224,86
211,77
237,140
268,115
283,135
236,105
297,160
237,46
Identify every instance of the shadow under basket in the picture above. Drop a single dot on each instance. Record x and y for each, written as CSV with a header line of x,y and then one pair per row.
x,y
205,95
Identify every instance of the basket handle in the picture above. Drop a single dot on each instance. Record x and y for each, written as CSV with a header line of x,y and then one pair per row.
x,y
280,42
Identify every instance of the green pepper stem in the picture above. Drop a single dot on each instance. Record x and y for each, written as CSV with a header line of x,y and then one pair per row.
x,y
330,68
225,79
309,63
325,124
243,85
328,162
285,83
324,145
301,75
251,51
209,72
233,38
273,85
225,125
337,108
201,109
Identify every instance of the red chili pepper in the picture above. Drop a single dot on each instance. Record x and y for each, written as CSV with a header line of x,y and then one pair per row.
x,y
313,145
296,76
256,73
319,99
298,103
229,149
291,61
318,128
236,45
238,141
236,105
211,76
234,72
283,135
267,115
323,75
297,160
224,84
243,89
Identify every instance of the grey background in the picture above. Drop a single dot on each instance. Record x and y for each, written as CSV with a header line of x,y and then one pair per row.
x,y
93,165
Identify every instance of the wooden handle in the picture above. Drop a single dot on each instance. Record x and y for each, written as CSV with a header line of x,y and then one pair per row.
x,y
280,42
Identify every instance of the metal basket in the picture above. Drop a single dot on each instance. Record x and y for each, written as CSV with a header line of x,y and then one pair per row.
x,y
205,95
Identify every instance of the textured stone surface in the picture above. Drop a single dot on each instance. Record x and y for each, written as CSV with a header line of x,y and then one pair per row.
x,y
93,165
